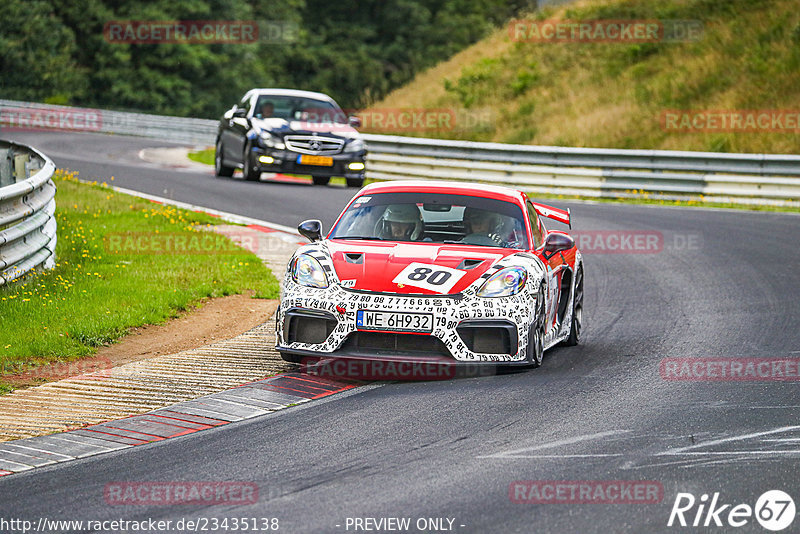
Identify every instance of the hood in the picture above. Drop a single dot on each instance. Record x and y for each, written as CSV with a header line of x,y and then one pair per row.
x,y
283,127
374,266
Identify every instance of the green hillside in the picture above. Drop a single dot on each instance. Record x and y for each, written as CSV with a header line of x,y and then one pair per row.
x,y
614,94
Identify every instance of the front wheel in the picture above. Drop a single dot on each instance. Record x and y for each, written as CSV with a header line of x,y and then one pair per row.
x,y
250,171
220,169
535,349
577,312
321,180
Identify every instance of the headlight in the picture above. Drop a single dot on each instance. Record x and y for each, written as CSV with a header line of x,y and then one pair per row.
x,y
356,145
504,283
308,272
271,141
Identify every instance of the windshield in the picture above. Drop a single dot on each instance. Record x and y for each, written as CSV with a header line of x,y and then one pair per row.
x,y
299,109
433,218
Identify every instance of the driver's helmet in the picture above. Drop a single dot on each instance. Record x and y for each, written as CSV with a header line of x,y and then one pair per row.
x,y
471,214
407,214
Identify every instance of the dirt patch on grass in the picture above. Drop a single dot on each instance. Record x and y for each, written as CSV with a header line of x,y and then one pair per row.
x,y
214,320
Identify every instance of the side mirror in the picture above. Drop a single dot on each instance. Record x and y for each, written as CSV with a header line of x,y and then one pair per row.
x,y
311,230
228,115
354,121
240,113
557,242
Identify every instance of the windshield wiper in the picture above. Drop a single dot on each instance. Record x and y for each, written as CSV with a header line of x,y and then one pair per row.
x,y
362,237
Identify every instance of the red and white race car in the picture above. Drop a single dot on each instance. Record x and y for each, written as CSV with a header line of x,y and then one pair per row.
x,y
418,271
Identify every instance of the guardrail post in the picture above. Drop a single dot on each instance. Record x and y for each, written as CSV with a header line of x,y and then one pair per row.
x,y
33,166
21,167
6,167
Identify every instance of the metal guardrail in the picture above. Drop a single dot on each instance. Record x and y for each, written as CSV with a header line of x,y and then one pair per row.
x,y
593,172
27,211
742,178
27,116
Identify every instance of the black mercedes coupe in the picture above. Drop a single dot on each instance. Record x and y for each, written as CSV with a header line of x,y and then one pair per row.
x,y
290,131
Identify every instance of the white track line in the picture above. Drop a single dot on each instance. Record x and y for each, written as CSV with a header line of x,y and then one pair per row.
x,y
683,450
518,453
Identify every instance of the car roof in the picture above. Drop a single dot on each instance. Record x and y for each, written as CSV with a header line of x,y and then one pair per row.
x,y
288,92
457,188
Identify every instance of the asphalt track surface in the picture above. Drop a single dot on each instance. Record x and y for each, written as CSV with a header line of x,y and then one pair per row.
x,y
451,449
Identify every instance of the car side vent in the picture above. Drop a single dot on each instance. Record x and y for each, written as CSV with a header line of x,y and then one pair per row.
x,y
354,257
469,264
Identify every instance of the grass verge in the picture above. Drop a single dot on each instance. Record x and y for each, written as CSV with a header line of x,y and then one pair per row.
x,y
99,290
205,157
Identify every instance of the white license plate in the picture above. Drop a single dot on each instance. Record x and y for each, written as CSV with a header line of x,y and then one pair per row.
x,y
394,321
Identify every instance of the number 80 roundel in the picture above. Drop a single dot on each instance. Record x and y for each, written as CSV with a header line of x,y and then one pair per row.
x,y
432,273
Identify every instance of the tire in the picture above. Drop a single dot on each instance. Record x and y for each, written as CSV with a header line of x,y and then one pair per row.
x,y
321,180
250,172
577,312
354,182
535,349
219,168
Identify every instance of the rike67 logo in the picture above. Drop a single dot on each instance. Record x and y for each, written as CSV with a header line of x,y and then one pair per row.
x,y
774,510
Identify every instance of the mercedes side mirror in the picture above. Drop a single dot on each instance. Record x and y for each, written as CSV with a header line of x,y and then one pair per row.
x,y
354,121
557,242
311,230
240,113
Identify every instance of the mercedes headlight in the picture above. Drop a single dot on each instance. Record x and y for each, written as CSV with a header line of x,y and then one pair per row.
x,y
504,283
271,141
308,272
356,145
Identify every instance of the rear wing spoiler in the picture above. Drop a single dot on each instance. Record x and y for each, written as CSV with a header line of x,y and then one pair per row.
x,y
557,214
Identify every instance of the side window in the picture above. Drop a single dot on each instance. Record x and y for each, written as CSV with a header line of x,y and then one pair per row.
x,y
536,226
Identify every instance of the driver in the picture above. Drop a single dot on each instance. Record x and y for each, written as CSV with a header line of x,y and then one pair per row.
x,y
400,222
267,110
481,227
